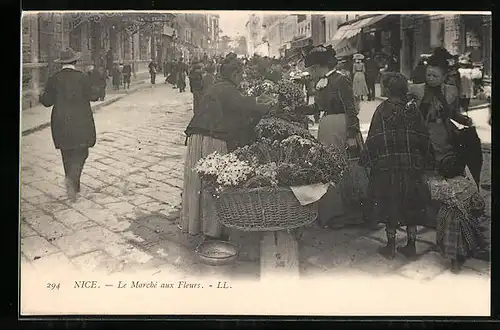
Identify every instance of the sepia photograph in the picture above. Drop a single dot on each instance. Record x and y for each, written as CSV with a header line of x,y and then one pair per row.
x,y
255,163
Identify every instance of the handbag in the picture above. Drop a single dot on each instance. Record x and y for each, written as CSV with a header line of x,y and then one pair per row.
x,y
466,146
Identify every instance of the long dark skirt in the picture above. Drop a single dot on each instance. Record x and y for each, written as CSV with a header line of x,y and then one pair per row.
x,y
399,198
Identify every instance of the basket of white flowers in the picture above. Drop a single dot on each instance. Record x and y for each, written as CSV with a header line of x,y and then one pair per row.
x,y
253,187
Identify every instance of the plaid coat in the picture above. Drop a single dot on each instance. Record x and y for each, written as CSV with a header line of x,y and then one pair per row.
x,y
397,139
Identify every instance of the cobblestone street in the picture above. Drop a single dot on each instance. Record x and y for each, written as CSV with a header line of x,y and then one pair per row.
x,y
125,219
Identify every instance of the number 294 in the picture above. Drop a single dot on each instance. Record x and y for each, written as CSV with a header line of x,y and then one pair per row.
x,y
53,286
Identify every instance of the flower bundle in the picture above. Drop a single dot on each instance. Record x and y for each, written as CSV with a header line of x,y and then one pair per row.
x,y
294,161
279,128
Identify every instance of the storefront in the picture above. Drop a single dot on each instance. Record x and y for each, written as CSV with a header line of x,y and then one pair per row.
x,y
367,33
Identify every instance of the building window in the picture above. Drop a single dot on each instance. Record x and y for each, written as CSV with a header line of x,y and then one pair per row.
x,y
45,36
301,18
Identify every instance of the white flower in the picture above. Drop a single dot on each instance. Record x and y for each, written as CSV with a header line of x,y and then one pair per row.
x,y
322,83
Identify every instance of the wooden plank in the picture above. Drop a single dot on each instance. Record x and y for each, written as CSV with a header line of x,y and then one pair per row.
x,y
279,256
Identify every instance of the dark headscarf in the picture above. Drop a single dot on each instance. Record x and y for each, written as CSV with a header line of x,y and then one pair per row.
x,y
229,65
321,55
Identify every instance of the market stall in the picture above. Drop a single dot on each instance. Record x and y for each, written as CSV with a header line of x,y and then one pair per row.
x,y
272,185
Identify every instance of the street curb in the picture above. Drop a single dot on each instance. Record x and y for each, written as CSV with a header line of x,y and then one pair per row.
x,y
94,108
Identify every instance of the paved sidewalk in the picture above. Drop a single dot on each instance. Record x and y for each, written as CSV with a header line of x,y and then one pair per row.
x,y
38,117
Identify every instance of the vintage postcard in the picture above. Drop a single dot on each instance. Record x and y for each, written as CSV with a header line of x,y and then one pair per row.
x,y
255,163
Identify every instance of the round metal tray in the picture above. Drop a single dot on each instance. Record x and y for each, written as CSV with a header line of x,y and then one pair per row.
x,y
217,253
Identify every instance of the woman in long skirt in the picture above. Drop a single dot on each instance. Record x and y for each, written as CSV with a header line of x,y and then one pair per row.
x,y
359,80
398,152
222,124
343,204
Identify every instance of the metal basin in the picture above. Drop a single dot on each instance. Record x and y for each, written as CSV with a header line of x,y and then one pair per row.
x,y
217,253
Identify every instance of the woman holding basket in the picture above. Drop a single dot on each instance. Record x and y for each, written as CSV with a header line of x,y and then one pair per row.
x,y
225,120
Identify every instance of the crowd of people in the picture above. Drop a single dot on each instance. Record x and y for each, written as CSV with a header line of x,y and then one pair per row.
x,y
411,169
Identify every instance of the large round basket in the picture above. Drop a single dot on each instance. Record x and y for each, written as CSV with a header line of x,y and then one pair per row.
x,y
262,209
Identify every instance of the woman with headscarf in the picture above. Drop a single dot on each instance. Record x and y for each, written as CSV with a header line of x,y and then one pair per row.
x,y
224,121
460,204
398,152
339,126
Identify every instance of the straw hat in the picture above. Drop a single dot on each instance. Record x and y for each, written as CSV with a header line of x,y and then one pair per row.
x,y
68,56
358,56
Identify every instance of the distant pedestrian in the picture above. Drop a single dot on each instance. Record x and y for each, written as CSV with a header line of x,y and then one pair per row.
x,y
109,62
195,85
466,84
372,73
98,80
182,72
69,93
152,71
359,81
116,77
172,77
127,74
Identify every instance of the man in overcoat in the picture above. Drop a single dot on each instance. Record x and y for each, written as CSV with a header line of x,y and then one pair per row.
x,y
195,84
69,93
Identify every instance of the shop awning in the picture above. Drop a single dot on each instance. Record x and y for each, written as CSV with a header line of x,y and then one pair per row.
x,y
347,32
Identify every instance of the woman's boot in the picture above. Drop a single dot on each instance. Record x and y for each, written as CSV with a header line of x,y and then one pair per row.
x,y
410,250
389,251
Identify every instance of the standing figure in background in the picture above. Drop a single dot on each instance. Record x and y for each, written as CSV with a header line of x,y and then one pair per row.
x,y
208,77
152,71
466,85
195,84
127,74
419,72
116,77
98,80
182,72
372,73
109,62
172,77
69,93
359,80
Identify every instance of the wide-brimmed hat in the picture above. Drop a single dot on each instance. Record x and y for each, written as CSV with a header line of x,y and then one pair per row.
x,y
321,55
358,56
68,56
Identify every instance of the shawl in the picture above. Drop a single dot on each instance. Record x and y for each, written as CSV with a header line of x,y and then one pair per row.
x,y
397,138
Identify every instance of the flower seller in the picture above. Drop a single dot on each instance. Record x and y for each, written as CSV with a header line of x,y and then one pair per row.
x,y
339,126
225,120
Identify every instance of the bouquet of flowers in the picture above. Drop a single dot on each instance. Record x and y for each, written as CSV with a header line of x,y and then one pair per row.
x,y
293,161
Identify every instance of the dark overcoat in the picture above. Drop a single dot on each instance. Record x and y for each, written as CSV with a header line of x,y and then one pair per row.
x,y
69,92
225,114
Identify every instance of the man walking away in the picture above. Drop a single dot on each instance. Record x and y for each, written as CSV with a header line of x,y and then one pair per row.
x,y
372,72
69,93
127,74
195,85
152,71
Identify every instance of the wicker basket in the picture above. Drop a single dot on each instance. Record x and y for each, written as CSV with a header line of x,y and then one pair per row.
x,y
263,209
